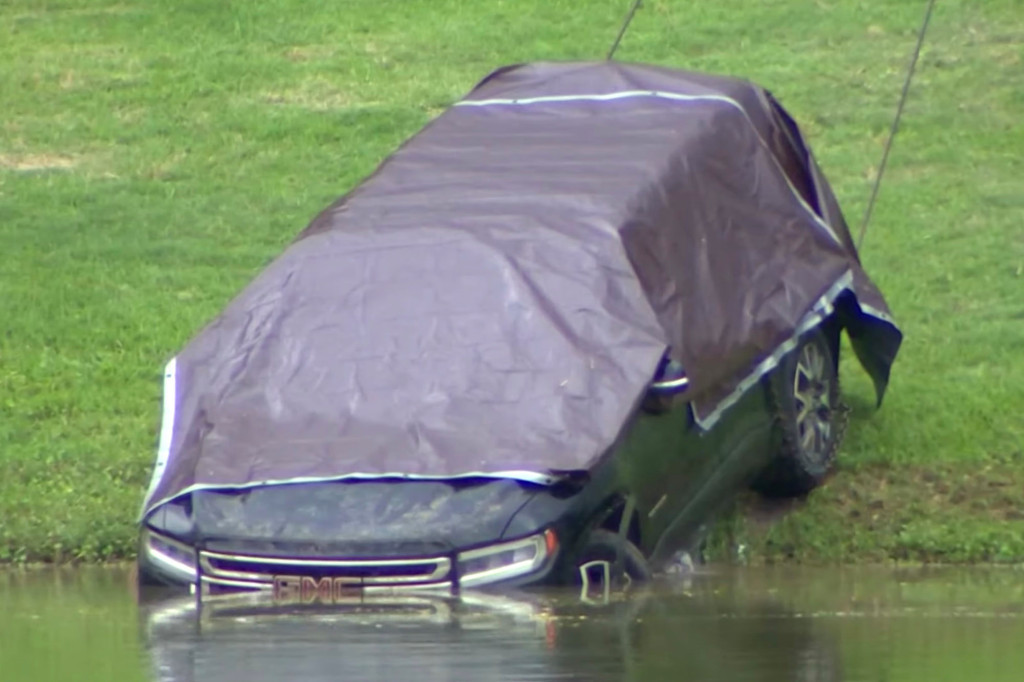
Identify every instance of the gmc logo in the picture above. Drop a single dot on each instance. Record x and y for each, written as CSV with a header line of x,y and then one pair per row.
x,y
306,589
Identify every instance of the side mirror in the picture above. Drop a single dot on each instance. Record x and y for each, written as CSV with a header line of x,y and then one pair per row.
x,y
670,386
669,381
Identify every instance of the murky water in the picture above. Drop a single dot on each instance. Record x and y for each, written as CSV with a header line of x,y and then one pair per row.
x,y
737,625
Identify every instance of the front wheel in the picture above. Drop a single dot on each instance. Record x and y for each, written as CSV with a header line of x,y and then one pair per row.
x,y
607,561
804,394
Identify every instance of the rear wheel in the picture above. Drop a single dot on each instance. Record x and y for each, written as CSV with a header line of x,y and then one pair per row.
x,y
804,393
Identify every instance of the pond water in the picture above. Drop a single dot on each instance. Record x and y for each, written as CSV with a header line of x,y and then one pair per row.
x,y
738,625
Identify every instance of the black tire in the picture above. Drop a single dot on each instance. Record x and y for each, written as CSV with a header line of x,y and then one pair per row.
x,y
627,561
810,419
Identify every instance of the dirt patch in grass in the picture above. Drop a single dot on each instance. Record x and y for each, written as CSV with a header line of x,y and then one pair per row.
x,y
948,513
76,12
318,94
305,53
36,162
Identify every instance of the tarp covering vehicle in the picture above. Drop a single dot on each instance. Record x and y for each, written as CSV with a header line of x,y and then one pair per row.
x,y
495,299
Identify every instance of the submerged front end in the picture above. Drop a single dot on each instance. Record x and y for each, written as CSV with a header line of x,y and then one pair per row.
x,y
321,541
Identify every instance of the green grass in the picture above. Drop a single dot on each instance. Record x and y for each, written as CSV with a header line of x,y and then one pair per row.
x,y
155,155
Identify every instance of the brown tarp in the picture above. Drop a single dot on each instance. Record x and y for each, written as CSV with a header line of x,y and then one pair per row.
x,y
496,297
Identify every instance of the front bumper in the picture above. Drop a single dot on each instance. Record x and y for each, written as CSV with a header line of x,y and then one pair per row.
x,y
165,560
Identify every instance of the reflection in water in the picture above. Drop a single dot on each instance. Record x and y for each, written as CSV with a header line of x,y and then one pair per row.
x,y
69,625
420,638
809,626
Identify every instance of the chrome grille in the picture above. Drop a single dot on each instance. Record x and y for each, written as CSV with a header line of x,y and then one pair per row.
x,y
253,571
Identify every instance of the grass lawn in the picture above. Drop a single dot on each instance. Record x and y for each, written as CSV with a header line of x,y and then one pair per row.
x,y
155,154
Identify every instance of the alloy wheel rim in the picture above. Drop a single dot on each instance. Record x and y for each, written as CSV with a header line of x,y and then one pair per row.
x,y
812,385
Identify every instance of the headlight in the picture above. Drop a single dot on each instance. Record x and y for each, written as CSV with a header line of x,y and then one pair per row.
x,y
172,556
505,560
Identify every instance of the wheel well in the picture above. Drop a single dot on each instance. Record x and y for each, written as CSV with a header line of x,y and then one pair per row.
x,y
832,326
611,519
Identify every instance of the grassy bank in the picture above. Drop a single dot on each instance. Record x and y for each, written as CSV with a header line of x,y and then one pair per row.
x,y
155,155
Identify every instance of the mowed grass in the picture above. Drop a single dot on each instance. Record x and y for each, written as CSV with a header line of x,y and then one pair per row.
x,y
155,155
